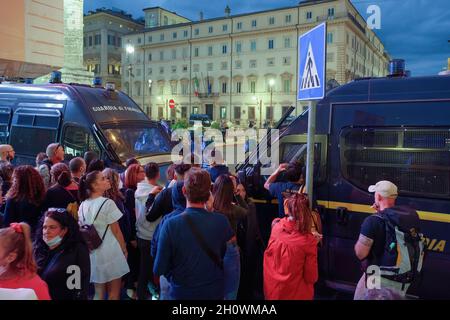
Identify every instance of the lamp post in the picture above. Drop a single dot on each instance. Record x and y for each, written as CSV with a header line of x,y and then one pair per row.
x,y
130,50
271,84
150,82
259,102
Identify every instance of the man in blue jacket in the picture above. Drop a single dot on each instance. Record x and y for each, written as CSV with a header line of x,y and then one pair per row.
x,y
192,245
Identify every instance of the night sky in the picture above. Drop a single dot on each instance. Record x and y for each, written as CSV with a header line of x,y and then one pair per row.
x,y
415,30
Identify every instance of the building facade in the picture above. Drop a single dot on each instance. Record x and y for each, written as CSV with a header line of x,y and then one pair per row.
x,y
243,68
102,42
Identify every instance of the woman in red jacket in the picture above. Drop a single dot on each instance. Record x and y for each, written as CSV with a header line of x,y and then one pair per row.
x,y
290,260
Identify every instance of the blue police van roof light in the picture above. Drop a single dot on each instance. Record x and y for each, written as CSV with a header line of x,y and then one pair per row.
x,y
397,68
29,81
56,77
110,86
97,81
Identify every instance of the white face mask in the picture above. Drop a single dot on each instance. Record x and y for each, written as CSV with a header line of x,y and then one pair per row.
x,y
53,242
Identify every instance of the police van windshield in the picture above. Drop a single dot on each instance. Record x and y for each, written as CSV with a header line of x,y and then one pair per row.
x,y
134,141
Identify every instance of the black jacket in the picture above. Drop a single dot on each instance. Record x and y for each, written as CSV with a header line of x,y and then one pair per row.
x,y
58,197
55,268
159,205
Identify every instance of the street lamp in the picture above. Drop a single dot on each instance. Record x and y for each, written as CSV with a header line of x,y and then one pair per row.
x,y
130,50
271,84
259,101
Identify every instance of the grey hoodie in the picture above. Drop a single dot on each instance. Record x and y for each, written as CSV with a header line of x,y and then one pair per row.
x,y
144,229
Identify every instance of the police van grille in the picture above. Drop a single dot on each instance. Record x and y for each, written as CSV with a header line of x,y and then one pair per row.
x,y
399,157
427,139
420,182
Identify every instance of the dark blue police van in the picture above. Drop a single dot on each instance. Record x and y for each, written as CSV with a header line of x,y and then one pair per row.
x,y
394,128
82,118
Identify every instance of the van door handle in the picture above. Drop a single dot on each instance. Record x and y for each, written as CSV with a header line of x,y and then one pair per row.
x,y
342,215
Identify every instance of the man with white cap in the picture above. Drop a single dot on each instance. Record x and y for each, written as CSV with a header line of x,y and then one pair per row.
x,y
370,246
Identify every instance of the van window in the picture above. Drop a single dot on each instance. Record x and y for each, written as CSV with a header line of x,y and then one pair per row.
x,y
417,160
5,116
41,125
77,140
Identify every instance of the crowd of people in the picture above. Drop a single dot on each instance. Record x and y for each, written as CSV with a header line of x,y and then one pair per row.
x,y
78,231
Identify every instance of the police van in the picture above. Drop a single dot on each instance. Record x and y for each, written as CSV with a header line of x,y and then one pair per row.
x,y
394,128
82,118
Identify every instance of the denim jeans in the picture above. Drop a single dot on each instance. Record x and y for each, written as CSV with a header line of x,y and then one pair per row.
x,y
232,270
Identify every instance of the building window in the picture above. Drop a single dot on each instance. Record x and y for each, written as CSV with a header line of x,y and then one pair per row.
x,y
185,53
119,41
174,69
150,39
239,25
224,65
252,64
85,42
174,54
348,38
237,113
287,86
196,67
196,31
138,72
271,62
251,113
269,113
150,71
195,52
330,57
225,27
330,37
253,45
173,88
252,86
161,89
185,33
272,20
161,55
271,44
238,64
210,30
97,68
331,12
223,112
288,18
90,41
195,110
309,15
210,51
287,42
161,37
174,35
224,87
184,88
253,23
161,70
224,49
98,39
185,68
238,47
209,67
287,61
139,40
238,87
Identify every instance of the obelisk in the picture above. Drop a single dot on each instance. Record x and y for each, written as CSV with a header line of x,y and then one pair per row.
x,y
73,70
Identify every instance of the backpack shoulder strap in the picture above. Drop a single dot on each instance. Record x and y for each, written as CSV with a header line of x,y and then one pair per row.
x,y
100,209
201,241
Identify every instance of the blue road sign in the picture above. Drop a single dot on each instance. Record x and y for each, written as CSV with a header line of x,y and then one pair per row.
x,y
311,72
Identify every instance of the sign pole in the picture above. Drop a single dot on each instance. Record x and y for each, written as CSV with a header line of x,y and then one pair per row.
x,y
310,150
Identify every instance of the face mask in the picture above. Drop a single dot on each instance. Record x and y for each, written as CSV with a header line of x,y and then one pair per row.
x,y
53,242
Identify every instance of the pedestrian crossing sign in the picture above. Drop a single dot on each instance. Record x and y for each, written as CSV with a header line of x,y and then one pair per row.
x,y
311,73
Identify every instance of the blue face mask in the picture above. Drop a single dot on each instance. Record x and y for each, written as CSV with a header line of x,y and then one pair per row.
x,y
53,242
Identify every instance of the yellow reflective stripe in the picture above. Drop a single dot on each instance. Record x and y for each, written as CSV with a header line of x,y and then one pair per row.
x,y
362,208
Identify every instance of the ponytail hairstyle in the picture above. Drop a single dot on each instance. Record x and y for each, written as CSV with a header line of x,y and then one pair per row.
x,y
297,205
17,239
61,174
86,185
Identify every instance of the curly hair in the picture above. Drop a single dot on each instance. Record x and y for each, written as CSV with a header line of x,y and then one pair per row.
x,y
27,185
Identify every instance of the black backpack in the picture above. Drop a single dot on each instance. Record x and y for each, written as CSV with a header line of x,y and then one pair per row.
x,y
89,233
